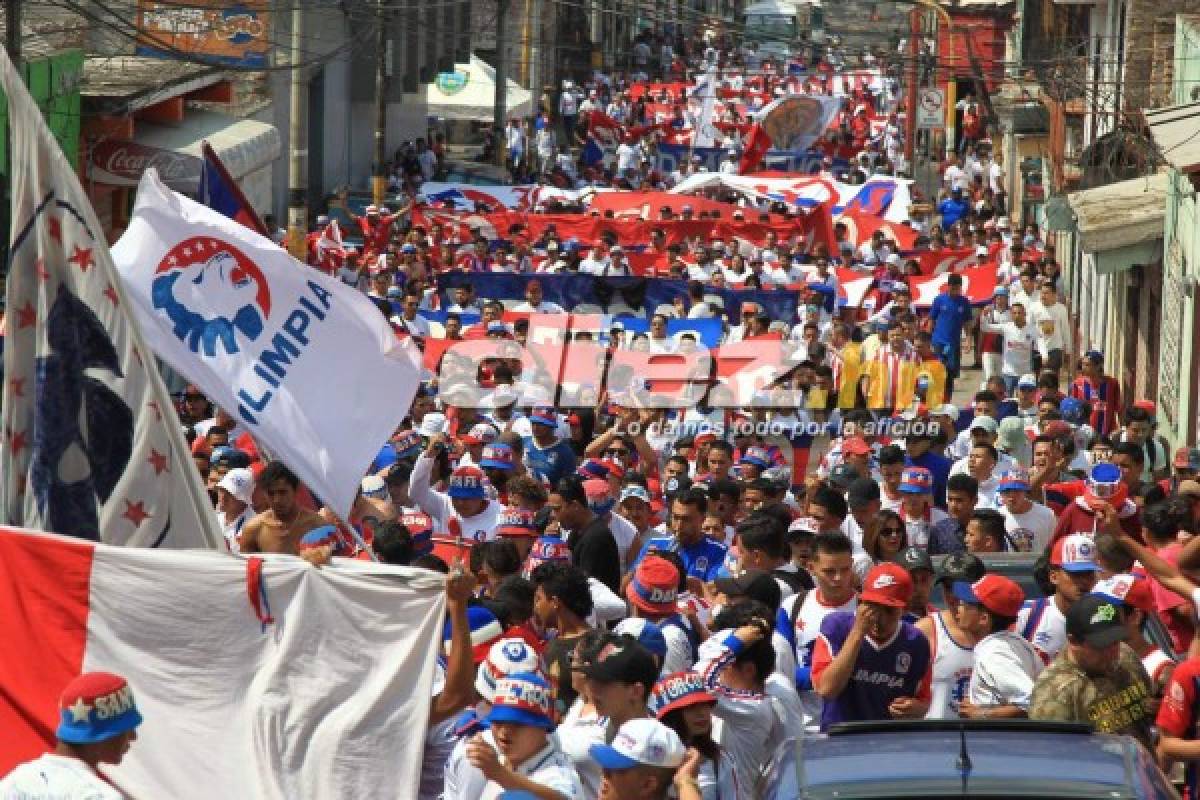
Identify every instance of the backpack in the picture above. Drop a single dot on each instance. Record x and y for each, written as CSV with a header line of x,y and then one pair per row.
x,y
792,579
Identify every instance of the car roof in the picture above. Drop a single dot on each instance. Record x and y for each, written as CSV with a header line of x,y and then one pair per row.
x,y
922,759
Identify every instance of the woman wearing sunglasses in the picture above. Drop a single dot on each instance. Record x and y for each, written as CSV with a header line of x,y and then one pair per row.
x,y
883,540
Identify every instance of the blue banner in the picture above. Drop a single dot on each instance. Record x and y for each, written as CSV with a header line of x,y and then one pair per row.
x,y
640,294
708,331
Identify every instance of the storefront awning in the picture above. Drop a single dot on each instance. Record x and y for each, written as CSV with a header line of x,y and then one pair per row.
x,y
1121,224
244,145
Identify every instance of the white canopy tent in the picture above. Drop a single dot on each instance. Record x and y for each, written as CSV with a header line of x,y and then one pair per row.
x,y
469,93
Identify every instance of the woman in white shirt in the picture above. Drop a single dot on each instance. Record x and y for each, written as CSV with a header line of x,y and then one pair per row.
x,y
582,725
683,703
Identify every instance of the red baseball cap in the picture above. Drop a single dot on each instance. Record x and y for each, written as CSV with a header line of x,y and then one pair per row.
x,y
998,594
1057,429
655,586
888,584
856,446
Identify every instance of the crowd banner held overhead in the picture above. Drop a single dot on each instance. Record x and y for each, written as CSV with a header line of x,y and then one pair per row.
x,y
794,122
306,363
91,444
229,710
570,291
886,196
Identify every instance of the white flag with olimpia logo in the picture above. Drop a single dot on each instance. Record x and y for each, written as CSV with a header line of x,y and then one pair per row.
x,y
308,366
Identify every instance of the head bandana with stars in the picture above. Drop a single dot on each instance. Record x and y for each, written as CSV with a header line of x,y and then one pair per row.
x,y
95,707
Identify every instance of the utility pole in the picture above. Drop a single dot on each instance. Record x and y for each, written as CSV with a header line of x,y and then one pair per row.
x,y
379,174
12,33
12,43
501,98
526,25
910,102
298,144
535,53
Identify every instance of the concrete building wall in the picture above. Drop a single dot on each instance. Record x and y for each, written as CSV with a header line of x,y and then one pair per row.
x,y
1148,61
1177,385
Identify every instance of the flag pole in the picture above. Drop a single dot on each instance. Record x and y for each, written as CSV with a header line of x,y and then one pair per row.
x,y
12,44
212,158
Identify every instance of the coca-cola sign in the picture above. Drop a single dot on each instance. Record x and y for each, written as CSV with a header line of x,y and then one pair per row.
x,y
121,163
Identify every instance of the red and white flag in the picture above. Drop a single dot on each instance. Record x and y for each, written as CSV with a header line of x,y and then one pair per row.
x,y
605,130
329,699
91,444
331,252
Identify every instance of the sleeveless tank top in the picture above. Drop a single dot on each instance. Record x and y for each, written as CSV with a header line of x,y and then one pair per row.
x,y
952,667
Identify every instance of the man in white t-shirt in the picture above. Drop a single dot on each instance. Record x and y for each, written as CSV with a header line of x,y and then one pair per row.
x,y
1053,322
235,493
595,263
1029,525
955,177
97,722
628,158
534,302
1020,337
1006,665
517,751
995,173
1073,572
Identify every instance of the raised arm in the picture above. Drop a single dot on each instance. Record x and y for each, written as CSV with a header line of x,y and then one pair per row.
x,y
460,667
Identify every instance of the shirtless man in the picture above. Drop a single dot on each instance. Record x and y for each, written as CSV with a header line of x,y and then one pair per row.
x,y
279,528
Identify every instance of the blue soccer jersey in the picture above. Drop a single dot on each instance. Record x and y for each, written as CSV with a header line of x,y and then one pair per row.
x,y
883,672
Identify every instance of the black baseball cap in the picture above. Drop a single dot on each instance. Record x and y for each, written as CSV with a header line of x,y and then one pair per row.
x,y
963,567
843,476
754,584
676,485
915,558
1096,620
622,660
862,492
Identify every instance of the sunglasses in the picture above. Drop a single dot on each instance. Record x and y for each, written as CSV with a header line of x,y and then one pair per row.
x,y
892,531
616,451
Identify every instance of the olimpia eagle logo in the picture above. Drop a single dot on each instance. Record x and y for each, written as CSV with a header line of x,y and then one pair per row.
x,y
453,82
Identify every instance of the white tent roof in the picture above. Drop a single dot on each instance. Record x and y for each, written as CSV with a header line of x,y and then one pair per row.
x,y
475,100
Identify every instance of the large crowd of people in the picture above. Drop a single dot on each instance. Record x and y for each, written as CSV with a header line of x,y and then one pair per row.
x,y
647,601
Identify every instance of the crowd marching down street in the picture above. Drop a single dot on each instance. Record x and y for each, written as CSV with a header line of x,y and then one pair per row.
x,y
714,451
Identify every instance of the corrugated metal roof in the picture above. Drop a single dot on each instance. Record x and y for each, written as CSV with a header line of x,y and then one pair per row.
x,y
1121,214
1176,131
46,30
135,82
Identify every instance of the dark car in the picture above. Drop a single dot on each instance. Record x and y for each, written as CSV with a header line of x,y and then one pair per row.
x,y
965,758
1023,568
